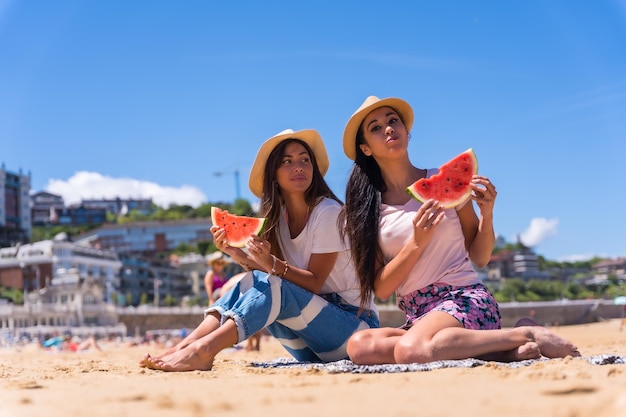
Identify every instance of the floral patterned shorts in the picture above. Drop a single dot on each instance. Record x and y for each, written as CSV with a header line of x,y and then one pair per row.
x,y
473,305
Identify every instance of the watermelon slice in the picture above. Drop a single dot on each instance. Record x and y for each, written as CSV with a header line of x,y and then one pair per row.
x,y
451,185
238,228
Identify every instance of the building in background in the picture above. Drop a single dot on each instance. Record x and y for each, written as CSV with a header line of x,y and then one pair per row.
x,y
33,266
120,206
65,285
521,262
79,215
148,237
44,207
49,209
15,219
146,279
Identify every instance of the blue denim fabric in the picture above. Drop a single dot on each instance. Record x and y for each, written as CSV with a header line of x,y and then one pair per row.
x,y
307,325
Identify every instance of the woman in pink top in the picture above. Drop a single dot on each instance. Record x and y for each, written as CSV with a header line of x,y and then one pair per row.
x,y
424,254
215,277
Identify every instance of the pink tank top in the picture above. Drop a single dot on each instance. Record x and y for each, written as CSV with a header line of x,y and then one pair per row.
x,y
444,259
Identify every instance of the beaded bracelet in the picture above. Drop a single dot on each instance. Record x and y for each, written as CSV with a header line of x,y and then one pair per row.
x,y
286,269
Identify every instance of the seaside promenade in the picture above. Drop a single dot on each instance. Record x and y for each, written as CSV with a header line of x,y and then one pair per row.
x,y
140,321
554,313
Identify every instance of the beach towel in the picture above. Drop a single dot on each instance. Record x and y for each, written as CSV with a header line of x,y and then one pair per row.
x,y
346,366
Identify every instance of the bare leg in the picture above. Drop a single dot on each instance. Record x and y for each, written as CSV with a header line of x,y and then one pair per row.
x,y
199,354
88,343
529,350
374,346
439,336
550,344
210,323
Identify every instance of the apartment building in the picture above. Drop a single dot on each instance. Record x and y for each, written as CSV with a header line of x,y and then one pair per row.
x,y
148,237
64,285
15,220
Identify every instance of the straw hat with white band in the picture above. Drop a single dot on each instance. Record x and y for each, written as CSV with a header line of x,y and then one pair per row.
x,y
308,136
372,103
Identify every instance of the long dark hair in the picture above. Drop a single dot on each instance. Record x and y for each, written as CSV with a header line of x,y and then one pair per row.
x,y
272,199
361,214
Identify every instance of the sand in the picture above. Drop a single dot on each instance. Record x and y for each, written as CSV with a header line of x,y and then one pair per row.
x,y
109,383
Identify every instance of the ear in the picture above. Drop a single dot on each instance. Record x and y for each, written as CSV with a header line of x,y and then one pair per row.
x,y
365,149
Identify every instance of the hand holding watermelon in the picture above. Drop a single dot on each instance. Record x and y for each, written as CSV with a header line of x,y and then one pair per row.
x,y
426,220
452,185
484,194
231,233
236,229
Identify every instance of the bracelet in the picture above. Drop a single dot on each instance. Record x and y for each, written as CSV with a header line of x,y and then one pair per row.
x,y
273,265
286,269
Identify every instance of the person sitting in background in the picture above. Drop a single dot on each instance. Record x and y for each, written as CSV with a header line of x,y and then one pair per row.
x,y
216,277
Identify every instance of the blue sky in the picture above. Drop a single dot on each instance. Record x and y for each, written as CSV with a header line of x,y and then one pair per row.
x,y
152,98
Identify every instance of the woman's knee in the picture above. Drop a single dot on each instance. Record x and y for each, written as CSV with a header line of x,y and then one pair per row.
x,y
412,351
359,345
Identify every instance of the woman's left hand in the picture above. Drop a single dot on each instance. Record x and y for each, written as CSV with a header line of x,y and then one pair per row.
x,y
484,194
260,250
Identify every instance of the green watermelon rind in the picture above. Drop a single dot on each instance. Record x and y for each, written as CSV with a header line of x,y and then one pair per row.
x,y
242,241
413,189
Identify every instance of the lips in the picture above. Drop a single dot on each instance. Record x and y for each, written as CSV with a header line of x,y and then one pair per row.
x,y
392,139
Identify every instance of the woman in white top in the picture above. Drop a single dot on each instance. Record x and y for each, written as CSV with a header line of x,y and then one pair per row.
x,y
424,254
301,286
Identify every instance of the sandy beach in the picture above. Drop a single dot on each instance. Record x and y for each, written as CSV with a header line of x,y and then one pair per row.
x,y
36,382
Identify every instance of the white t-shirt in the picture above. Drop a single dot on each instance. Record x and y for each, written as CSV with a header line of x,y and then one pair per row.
x,y
444,259
321,235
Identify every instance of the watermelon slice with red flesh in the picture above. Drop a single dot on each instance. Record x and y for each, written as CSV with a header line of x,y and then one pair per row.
x,y
237,228
451,185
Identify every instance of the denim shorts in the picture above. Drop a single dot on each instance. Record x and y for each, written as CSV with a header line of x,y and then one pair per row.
x,y
310,327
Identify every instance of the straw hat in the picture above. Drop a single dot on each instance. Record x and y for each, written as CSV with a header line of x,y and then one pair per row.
x,y
308,136
372,103
217,256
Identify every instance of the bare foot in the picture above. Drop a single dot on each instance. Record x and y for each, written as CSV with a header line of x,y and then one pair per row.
x,y
144,362
180,345
182,360
551,344
529,350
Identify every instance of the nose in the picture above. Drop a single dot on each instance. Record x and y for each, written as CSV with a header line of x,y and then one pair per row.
x,y
389,130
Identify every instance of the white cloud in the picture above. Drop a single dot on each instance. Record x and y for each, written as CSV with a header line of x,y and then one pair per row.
x,y
92,185
539,230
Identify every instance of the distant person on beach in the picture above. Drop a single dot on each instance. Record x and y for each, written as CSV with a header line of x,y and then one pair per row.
x,y
67,343
216,276
301,285
424,253
90,343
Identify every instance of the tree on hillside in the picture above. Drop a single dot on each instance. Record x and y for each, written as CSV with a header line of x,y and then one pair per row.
x,y
204,210
242,207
